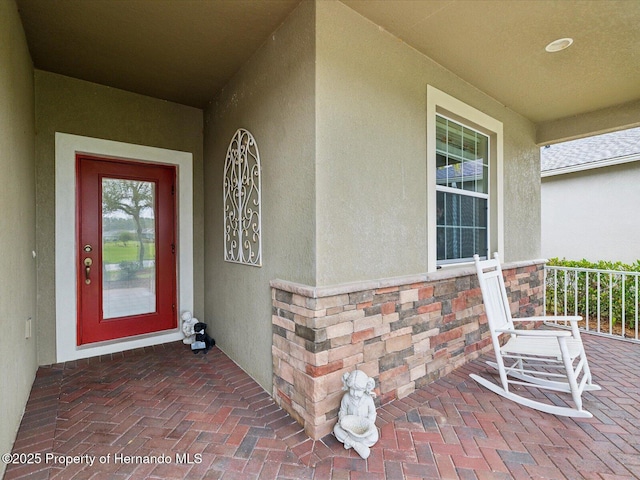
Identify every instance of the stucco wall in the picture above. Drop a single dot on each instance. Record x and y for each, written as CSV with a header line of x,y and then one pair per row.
x,y
18,357
338,108
272,96
77,107
371,153
591,123
591,214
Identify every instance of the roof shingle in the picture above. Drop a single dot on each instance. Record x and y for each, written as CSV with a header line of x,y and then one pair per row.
x,y
592,149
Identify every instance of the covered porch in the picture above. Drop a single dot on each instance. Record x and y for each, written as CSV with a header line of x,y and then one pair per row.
x,y
345,99
183,416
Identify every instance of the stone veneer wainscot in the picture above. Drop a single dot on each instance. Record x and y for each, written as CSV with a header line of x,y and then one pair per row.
x,y
405,332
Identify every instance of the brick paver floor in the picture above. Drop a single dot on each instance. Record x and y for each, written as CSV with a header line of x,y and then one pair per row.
x,y
163,412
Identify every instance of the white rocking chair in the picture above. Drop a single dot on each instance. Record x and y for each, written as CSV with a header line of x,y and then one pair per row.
x,y
533,358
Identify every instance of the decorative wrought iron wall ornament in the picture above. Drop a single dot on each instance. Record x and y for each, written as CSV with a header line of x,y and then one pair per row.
x,y
242,201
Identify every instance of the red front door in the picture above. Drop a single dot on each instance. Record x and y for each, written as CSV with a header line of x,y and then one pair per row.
x,y
126,248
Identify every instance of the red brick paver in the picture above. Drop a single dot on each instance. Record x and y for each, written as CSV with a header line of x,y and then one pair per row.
x,y
163,412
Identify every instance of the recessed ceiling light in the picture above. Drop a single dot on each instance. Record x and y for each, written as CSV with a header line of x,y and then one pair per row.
x,y
559,44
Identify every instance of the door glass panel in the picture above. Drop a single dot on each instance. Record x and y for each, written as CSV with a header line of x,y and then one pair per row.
x,y
128,248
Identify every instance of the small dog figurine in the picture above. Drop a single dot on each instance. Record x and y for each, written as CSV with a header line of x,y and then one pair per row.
x,y
203,342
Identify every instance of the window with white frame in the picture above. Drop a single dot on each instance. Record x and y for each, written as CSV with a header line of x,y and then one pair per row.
x,y
464,181
462,186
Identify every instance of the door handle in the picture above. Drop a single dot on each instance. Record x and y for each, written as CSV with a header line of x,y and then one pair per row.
x,y
87,270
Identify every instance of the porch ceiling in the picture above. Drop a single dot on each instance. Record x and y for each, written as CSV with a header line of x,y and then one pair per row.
x,y
185,51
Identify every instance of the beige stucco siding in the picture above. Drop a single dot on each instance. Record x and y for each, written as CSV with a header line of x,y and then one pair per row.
x,y
592,214
371,153
77,107
605,120
17,224
338,109
521,190
272,97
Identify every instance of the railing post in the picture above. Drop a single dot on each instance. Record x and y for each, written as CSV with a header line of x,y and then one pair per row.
x,y
624,313
610,303
555,291
564,297
586,300
544,289
576,277
598,301
637,306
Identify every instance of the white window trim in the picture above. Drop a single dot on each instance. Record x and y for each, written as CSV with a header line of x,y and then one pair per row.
x,y
442,103
66,239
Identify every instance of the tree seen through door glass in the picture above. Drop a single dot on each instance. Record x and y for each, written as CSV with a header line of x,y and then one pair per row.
x,y
128,247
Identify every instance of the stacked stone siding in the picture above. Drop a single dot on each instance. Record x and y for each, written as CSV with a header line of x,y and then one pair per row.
x,y
403,332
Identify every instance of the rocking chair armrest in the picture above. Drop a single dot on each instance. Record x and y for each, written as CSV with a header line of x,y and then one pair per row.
x,y
536,333
554,318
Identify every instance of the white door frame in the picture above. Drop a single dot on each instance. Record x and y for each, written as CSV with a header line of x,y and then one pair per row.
x,y
66,240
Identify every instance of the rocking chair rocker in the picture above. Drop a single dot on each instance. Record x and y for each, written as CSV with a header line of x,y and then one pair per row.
x,y
547,359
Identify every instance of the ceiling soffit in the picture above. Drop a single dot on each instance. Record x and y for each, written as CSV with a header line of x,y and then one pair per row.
x,y
186,50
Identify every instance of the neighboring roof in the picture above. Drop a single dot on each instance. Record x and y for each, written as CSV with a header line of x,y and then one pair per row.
x,y
592,152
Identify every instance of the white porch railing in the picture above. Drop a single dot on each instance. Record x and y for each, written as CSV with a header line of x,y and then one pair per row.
x,y
607,299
